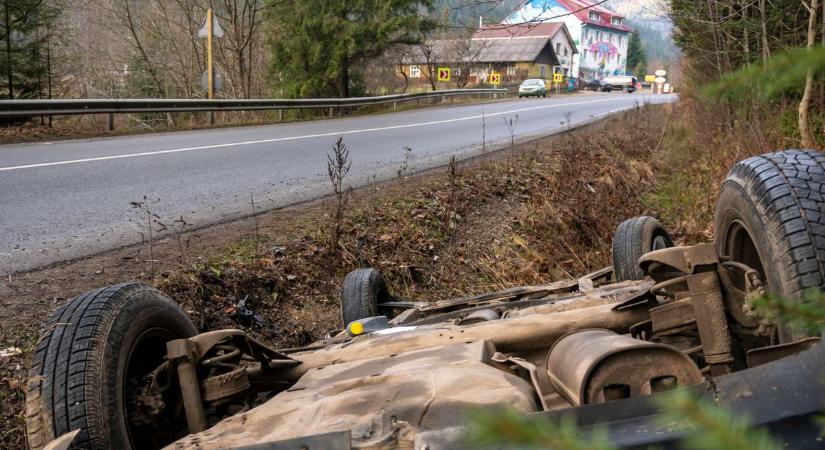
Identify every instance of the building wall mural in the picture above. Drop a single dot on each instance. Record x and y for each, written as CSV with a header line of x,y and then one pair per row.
x,y
599,54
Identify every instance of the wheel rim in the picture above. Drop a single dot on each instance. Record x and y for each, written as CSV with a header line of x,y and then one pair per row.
x,y
146,354
660,242
739,246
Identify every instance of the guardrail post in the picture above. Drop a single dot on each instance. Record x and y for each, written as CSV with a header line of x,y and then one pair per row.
x,y
443,99
280,115
210,117
110,122
394,106
330,111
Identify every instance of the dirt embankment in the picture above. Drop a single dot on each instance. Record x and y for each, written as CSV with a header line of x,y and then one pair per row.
x,y
541,211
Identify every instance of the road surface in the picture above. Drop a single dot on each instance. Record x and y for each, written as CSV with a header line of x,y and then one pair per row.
x,y
69,199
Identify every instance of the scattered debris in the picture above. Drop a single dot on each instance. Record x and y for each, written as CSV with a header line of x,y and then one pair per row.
x,y
246,316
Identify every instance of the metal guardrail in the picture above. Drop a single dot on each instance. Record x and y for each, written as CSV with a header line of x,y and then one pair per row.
x,y
31,108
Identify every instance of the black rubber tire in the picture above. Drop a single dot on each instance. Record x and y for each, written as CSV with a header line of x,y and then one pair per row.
x,y
78,375
363,290
771,214
633,238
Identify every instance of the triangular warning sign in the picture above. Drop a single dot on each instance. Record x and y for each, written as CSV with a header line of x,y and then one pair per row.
x,y
217,31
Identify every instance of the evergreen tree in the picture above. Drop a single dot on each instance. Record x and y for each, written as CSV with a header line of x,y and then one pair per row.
x,y
636,58
317,44
24,26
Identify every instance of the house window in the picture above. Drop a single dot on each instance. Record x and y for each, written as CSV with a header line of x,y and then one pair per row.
x,y
594,15
565,51
457,71
584,55
511,70
616,21
558,48
415,72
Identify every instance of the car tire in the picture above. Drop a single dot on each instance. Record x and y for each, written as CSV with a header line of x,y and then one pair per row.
x,y
770,216
633,238
92,349
363,290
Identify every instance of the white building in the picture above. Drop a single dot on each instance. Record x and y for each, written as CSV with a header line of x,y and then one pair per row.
x,y
599,33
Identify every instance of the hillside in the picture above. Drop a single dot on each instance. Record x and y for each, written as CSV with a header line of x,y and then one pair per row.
x,y
655,28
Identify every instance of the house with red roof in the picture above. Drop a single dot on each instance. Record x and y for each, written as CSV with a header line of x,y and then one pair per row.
x,y
601,36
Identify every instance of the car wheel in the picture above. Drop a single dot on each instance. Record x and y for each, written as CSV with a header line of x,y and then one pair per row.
x,y
632,239
363,290
90,365
769,216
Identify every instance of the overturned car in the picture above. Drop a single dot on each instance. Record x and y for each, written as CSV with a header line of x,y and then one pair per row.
x,y
124,367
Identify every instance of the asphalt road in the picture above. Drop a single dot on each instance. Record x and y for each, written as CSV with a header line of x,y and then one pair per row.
x,y
69,199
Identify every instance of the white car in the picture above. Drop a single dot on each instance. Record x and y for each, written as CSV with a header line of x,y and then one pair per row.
x,y
532,87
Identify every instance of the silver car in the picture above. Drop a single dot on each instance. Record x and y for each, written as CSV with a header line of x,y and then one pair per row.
x,y
532,87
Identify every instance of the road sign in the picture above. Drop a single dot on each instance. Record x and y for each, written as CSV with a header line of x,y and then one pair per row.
x,y
650,78
660,73
557,77
495,78
443,74
217,31
217,80
660,79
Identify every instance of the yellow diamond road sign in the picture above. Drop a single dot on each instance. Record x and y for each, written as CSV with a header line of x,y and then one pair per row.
x,y
495,78
557,77
443,74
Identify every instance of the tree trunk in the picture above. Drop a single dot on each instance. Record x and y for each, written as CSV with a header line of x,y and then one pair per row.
x,y
406,78
8,51
343,76
766,50
805,132
822,83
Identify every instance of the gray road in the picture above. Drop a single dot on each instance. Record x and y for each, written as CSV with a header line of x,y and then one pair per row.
x,y
68,199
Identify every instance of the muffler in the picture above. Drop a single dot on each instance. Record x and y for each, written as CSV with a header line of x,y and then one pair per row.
x,y
596,366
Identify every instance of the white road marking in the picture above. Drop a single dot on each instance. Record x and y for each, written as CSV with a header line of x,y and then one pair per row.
x,y
292,138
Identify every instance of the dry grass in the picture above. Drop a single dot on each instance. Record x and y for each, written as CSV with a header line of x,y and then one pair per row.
x,y
702,143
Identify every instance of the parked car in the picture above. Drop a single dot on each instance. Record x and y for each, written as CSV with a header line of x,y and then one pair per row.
x,y
532,87
627,84
598,86
124,367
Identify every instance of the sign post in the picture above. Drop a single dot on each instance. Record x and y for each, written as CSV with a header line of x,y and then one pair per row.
x,y
209,29
660,81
